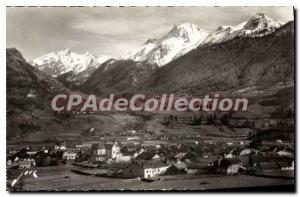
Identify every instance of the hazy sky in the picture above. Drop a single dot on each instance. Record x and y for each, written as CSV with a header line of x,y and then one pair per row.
x,y
113,31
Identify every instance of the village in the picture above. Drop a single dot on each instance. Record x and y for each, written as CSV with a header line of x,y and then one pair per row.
x,y
143,158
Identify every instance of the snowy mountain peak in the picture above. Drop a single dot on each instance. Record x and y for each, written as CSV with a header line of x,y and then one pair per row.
x,y
185,28
180,40
258,25
187,36
260,22
57,63
141,53
186,31
66,51
223,33
87,53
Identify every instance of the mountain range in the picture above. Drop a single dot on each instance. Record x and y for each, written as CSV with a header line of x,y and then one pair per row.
x,y
71,68
187,59
253,59
74,69
186,37
242,57
237,63
57,63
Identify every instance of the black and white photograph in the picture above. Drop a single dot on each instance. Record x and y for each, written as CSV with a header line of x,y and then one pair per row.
x,y
125,98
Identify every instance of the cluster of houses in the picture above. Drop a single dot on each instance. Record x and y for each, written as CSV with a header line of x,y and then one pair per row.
x,y
152,160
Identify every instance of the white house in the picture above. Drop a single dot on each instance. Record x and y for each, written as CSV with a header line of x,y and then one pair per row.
x,y
115,150
26,163
99,153
120,158
60,146
69,155
117,156
145,169
106,152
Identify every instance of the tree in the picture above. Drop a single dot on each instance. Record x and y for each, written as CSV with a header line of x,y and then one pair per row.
x,y
225,119
255,144
211,120
198,120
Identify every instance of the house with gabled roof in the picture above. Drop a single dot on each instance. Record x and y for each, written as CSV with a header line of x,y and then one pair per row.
x,y
145,169
177,168
147,155
99,153
69,155
198,168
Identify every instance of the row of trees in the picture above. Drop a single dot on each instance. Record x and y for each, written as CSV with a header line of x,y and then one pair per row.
x,y
200,119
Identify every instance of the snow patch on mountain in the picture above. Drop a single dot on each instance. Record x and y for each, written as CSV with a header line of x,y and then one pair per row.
x,y
142,52
261,22
258,25
180,40
186,37
57,63
223,33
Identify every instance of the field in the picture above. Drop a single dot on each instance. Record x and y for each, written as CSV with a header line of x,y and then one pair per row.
x,y
62,179
113,125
